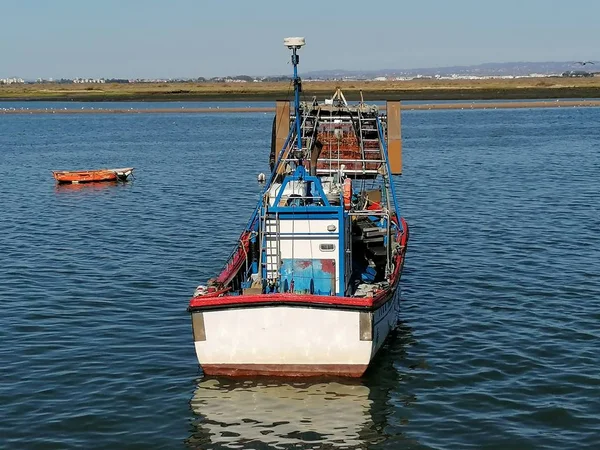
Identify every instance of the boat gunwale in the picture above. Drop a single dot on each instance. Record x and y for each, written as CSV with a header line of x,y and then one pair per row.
x,y
74,172
291,300
91,176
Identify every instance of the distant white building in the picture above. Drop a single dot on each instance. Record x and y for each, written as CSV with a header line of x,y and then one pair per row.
x,y
13,80
88,80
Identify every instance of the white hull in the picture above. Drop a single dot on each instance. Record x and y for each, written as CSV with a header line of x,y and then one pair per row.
x,y
291,340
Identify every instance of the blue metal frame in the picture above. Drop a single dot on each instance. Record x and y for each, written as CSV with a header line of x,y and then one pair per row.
x,y
325,211
298,126
271,178
342,252
322,212
300,174
295,60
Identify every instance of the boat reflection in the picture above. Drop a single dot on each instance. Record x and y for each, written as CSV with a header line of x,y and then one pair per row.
x,y
277,413
255,413
64,188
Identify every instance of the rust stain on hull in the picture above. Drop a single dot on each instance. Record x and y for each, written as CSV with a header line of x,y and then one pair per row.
x,y
285,370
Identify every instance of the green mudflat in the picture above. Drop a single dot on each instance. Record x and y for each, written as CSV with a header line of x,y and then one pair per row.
x,y
493,89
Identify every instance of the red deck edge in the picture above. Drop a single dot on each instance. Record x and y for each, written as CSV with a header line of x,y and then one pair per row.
x,y
218,299
325,300
285,370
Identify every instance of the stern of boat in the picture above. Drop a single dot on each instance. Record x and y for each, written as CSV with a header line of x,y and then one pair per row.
x,y
292,337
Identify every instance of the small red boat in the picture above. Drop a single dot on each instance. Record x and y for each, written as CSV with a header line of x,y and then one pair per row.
x,y
90,176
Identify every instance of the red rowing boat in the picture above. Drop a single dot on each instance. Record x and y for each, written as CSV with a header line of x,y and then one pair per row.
x,y
90,176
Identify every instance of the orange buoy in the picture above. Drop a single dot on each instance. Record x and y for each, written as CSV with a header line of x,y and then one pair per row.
x,y
347,193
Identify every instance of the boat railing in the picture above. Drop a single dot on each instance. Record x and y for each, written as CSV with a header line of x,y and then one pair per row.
x,y
288,200
348,171
370,212
346,160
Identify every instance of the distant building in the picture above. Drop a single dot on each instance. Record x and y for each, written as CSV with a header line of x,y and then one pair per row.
x,y
12,80
88,80
577,74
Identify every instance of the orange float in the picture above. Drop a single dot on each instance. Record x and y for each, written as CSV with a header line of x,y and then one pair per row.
x,y
347,193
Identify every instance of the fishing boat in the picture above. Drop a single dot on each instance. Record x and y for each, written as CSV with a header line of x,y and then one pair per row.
x,y
90,176
312,286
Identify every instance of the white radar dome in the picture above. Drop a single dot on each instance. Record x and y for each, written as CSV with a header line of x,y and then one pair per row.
x,y
291,42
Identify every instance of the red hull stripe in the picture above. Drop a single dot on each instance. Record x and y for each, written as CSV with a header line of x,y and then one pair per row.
x,y
282,298
285,370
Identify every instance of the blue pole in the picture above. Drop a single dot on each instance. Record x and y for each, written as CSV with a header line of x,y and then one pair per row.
x,y
295,60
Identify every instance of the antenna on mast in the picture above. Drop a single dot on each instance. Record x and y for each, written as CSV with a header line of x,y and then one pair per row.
x,y
295,44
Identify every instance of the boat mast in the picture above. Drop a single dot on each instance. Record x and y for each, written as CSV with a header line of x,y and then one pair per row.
x,y
294,44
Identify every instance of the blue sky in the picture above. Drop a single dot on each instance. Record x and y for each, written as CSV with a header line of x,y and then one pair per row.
x,y
189,38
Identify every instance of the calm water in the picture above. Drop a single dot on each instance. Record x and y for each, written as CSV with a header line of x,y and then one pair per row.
x,y
500,339
54,105
99,106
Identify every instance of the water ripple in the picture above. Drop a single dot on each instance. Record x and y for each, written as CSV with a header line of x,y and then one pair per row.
x,y
501,294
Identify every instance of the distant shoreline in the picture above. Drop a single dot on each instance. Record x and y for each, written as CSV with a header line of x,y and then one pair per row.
x,y
424,90
267,109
